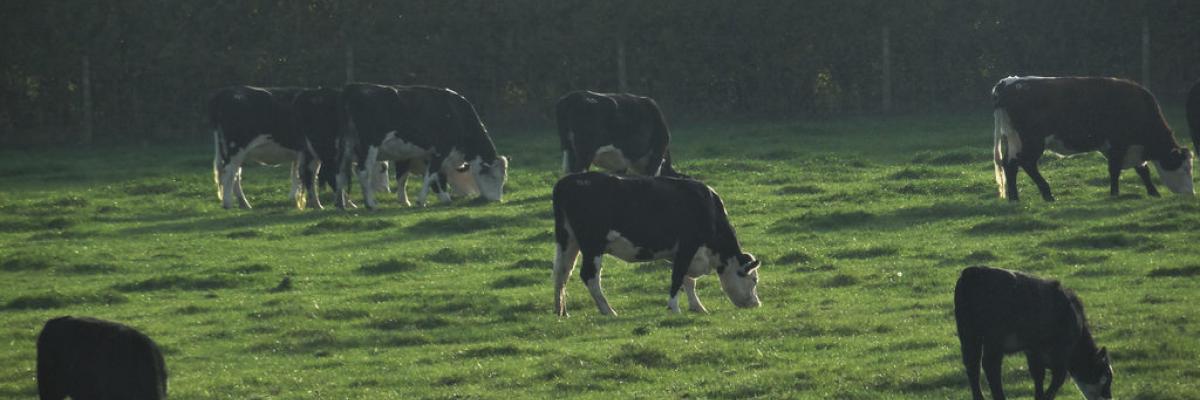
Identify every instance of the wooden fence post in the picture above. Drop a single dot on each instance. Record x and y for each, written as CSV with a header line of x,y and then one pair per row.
x,y
1146,52
886,89
622,84
349,63
86,137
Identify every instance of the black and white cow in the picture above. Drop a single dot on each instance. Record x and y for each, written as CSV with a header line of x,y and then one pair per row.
x,y
1000,312
419,126
320,121
86,358
641,219
619,132
1193,115
1072,115
272,126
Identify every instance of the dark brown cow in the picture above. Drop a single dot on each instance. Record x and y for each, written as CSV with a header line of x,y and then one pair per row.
x,y
1073,115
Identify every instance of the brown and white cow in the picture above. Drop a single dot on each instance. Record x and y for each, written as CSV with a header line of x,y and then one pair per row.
x,y
1070,115
429,127
274,126
620,132
639,219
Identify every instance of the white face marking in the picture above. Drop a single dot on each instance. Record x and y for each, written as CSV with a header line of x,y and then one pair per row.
x,y
1179,180
742,290
490,178
611,158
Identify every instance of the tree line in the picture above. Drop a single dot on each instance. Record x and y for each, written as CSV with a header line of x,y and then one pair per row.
x,y
153,64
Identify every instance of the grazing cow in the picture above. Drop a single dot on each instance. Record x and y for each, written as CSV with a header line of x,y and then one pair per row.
x,y
1001,312
619,132
320,123
1072,115
1193,115
86,358
418,126
272,126
641,219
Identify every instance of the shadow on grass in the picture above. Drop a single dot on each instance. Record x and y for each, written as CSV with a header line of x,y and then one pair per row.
x,y
48,301
460,224
1098,241
1019,224
347,225
179,282
390,266
643,356
1180,272
517,281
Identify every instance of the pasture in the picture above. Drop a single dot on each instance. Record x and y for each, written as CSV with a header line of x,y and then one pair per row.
x,y
862,223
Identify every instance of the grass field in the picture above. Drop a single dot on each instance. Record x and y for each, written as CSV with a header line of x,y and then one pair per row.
x,y
863,225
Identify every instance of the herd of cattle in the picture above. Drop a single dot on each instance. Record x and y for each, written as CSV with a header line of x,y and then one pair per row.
x,y
644,209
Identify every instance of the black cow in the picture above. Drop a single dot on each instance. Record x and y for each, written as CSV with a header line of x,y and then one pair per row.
x,y
273,126
641,219
1193,115
1001,312
1072,115
87,358
418,125
619,132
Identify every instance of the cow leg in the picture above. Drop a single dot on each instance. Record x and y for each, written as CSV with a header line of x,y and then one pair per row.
x,y
229,173
434,179
297,193
683,261
972,353
237,189
381,180
689,286
993,358
308,177
217,161
590,273
1114,170
1031,168
1011,167
1037,371
367,174
1058,374
564,263
402,167
1144,172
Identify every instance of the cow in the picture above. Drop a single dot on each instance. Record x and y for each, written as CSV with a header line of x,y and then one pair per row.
x,y
1193,115
273,126
433,128
1070,115
87,358
1000,312
639,219
619,132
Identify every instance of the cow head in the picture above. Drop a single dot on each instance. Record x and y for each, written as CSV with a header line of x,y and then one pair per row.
x,y
739,279
1175,169
1096,380
490,176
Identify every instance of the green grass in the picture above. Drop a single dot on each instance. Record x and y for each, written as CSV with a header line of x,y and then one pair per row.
x,y
863,225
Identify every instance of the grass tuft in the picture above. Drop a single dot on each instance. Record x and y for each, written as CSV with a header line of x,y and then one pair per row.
x,y
640,355
866,252
1011,225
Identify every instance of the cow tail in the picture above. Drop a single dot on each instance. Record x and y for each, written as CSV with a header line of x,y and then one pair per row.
x,y
1001,130
659,140
218,140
